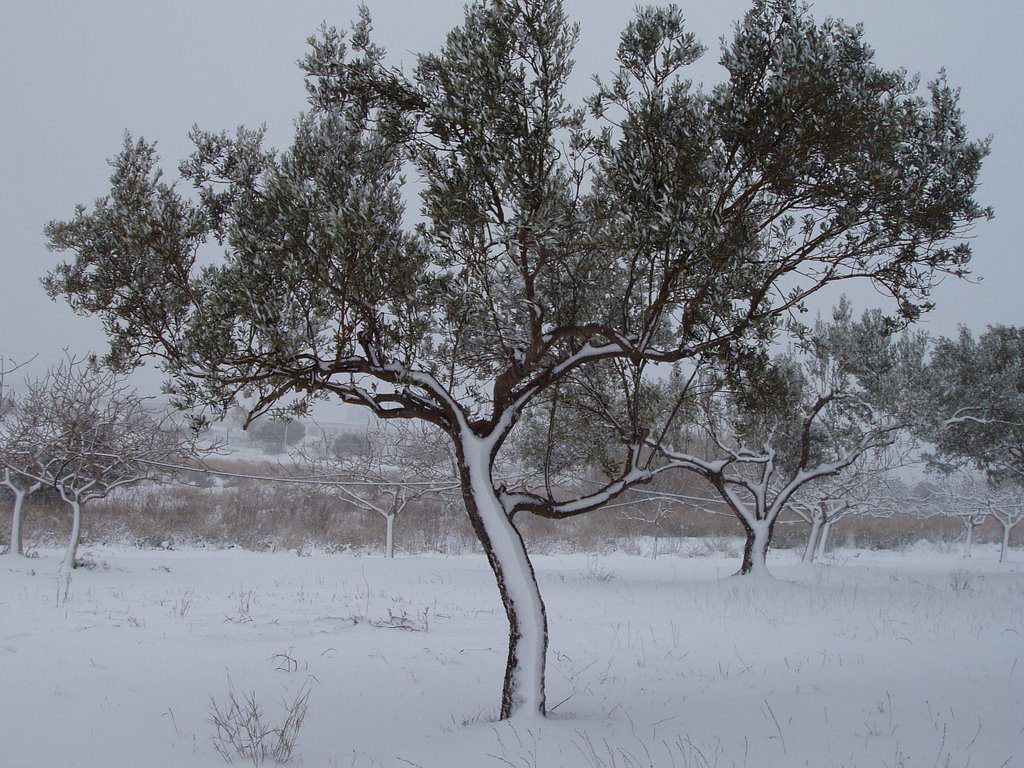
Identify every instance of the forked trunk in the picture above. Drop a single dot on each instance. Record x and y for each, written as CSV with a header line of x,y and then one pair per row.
x,y
755,550
76,529
523,691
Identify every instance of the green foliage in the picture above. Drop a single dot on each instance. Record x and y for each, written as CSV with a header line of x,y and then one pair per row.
x,y
976,413
663,224
845,387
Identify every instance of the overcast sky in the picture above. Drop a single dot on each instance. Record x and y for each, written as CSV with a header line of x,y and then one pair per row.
x,y
74,75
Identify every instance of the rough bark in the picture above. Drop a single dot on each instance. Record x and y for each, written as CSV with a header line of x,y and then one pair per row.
x,y
523,688
755,549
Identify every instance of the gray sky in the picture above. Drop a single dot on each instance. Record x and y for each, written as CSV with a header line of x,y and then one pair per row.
x,y
74,75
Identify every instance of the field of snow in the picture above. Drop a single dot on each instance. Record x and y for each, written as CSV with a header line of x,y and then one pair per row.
x,y
879,659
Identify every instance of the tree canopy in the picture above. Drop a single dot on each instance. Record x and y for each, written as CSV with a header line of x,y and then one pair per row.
x,y
976,386
663,223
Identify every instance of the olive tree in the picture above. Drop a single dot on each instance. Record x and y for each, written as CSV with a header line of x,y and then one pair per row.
x,y
863,488
976,410
771,431
973,415
960,494
655,223
1007,510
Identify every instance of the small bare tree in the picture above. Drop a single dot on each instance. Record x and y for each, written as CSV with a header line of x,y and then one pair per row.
x,y
83,431
396,465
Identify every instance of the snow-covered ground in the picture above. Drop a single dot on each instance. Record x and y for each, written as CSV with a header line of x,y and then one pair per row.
x,y
880,659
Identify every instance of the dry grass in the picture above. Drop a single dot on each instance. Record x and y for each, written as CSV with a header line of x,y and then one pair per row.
x,y
241,728
260,515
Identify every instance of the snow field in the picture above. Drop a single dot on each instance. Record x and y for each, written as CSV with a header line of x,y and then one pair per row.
x,y
887,659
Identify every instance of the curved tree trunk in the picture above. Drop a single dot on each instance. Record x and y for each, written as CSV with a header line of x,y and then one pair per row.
x,y
755,549
523,689
76,530
17,546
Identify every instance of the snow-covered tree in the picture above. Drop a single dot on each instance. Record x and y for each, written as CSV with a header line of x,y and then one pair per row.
x,y
1006,508
661,223
863,488
974,417
772,431
958,495
83,431
974,500
21,488
976,413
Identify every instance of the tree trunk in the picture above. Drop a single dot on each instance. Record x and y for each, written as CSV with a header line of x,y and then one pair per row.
x,y
17,547
755,550
826,528
812,540
967,539
389,542
1005,546
76,529
523,690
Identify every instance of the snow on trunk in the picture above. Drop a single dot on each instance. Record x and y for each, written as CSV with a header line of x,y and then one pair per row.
x,y
755,550
389,542
523,691
1005,546
812,539
823,539
968,537
17,546
76,528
